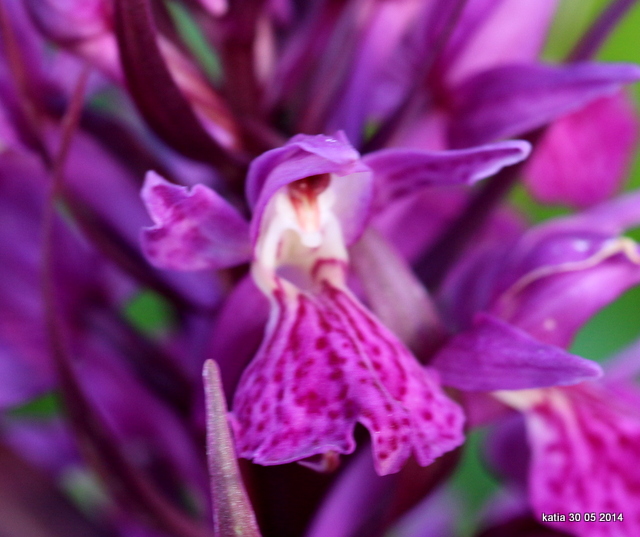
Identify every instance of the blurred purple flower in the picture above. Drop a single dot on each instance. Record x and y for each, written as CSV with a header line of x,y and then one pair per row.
x,y
550,281
370,274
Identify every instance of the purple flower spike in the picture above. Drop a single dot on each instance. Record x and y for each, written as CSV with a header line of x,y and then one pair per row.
x,y
326,364
585,458
194,229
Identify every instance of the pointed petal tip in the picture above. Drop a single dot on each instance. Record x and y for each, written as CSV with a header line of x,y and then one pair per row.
x,y
522,147
495,355
513,99
232,511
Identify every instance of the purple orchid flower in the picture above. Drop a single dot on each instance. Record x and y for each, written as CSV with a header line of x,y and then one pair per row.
x,y
576,451
583,443
325,363
312,291
551,280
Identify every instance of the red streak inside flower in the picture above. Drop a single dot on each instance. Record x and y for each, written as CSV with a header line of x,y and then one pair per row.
x,y
310,187
304,195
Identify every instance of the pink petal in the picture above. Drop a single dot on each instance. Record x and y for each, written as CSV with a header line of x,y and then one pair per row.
x,y
584,157
326,364
585,459
194,229
493,355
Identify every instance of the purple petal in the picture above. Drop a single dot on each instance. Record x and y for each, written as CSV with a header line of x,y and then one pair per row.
x,y
360,499
414,222
394,293
348,505
507,452
624,365
306,156
401,172
232,512
482,408
436,516
369,87
136,417
493,355
238,331
475,282
24,350
491,33
511,100
109,210
585,459
614,216
584,157
551,279
553,303
194,229
81,27
327,364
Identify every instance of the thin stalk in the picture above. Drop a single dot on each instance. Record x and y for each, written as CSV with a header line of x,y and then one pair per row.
x,y
594,37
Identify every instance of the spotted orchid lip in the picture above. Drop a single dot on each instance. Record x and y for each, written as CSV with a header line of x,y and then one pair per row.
x,y
584,456
311,198
326,364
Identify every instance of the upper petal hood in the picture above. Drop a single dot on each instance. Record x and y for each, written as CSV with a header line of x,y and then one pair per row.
x,y
305,156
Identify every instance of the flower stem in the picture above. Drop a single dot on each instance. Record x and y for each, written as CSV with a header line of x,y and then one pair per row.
x,y
595,36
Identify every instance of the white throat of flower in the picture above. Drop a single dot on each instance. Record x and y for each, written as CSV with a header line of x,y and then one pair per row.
x,y
299,228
